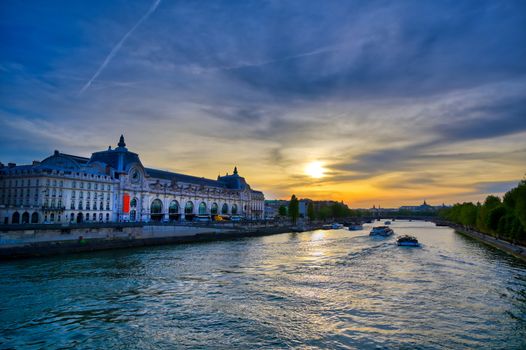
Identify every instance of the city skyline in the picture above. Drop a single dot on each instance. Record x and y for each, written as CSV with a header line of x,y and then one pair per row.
x,y
371,103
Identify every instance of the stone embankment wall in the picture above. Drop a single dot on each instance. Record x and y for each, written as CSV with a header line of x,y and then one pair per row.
x,y
510,248
43,242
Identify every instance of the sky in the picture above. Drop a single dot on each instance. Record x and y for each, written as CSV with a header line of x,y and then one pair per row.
x,y
368,102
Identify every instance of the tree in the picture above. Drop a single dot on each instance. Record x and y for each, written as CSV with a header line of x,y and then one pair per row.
x,y
490,203
324,213
294,208
310,211
468,214
282,210
520,204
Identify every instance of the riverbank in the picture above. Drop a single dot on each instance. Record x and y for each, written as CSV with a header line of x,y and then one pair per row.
x,y
513,249
38,243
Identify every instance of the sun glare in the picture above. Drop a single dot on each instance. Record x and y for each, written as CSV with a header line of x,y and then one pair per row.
x,y
315,169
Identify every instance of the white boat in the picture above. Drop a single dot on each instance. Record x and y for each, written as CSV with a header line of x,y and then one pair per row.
x,y
381,231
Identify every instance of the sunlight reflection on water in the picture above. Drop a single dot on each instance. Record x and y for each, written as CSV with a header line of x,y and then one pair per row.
x,y
320,289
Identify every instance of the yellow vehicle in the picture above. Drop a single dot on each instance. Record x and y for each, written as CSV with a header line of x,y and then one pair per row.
x,y
218,218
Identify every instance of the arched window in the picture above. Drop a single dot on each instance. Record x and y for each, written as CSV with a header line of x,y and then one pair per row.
x,y
34,218
100,217
174,207
156,210
25,218
80,218
214,209
107,217
156,207
224,209
189,208
202,208
72,217
16,218
133,203
52,217
87,216
234,209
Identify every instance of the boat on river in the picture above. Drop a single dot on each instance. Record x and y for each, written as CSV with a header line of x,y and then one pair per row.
x,y
383,231
355,227
334,226
387,222
407,241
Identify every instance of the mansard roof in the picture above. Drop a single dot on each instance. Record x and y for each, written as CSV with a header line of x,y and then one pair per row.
x,y
234,181
168,175
120,160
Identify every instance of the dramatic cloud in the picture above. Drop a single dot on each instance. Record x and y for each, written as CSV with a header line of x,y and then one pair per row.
x,y
398,100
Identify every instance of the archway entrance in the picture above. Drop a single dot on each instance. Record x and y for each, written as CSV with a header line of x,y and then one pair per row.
x,y
173,211
16,218
34,218
189,211
80,218
156,210
25,218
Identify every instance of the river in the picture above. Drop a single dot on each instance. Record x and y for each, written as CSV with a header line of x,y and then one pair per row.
x,y
310,290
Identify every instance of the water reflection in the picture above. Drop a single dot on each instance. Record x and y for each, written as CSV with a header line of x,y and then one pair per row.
x,y
320,289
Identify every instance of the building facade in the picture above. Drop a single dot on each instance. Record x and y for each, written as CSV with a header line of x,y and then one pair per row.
x,y
114,186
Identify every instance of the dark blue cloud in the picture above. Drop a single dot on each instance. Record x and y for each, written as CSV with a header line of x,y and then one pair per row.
x,y
277,73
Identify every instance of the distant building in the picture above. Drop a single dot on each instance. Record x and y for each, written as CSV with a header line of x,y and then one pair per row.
x,y
113,185
272,207
424,207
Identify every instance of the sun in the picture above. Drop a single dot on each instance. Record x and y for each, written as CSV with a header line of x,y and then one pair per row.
x,y
315,169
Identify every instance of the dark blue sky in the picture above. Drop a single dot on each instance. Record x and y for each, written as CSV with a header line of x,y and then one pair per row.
x,y
395,99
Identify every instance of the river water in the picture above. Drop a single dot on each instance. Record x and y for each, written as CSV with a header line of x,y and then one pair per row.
x,y
311,290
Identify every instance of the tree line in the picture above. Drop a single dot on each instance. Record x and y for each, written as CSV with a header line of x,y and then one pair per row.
x,y
502,218
335,210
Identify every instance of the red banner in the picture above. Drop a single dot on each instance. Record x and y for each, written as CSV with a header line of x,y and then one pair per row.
x,y
126,203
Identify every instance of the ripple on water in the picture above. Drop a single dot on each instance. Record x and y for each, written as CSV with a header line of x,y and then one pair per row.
x,y
311,290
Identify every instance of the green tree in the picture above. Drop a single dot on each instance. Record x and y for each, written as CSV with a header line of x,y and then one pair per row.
x,y
282,210
490,203
324,213
294,208
494,217
468,214
520,204
310,211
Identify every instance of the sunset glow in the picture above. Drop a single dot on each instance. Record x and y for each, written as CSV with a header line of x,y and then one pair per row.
x,y
315,170
362,109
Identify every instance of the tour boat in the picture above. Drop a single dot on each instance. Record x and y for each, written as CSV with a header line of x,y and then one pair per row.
x,y
381,231
355,227
407,241
387,222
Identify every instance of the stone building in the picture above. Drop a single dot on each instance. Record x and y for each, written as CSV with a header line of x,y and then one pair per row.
x,y
113,185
